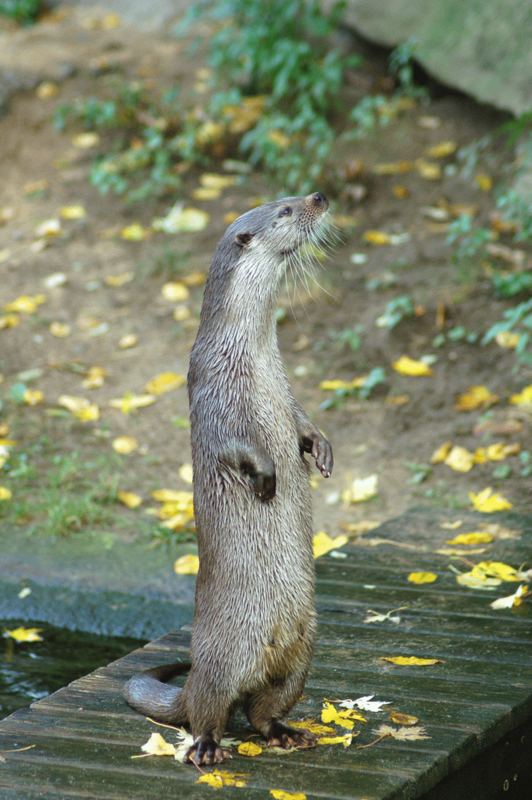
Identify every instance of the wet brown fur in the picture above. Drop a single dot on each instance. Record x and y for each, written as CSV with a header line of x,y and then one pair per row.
x,y
254,620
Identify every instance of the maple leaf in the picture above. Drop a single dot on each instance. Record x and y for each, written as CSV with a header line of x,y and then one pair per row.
x,y
487,501
250,749
366,703
219,778
403,734
24,634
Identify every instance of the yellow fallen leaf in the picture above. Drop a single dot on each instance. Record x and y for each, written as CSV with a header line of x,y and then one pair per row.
x,y
400,191
422,577
134,232
403,734
335,384
94,378
165,382
512,600
345,718
206,193
86,140
442,149
344,739
523,398
125,444
322,543
279,138
182,220
175,292
115,281
250,749
280,794
487,501
25,304
132,402
181,498
59,329
32,397
496,452
72,212
187,565
409,366
219,778
5,493
80,407
460,459
312,726
9,321
24,634
209,132
361,489
475,537
48,229
441,453
185,473
129,499
484,182
181,313
496,569
376,237
195,278
158,746
428,170
215,181
407,661
402,719
128,341
479,581
47,90
457,551
476,397
393,168
508,340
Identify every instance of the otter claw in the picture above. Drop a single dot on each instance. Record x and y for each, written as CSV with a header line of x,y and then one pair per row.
x,y
323,455
206,751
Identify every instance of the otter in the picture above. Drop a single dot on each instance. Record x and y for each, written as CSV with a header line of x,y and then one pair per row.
x,y
254,620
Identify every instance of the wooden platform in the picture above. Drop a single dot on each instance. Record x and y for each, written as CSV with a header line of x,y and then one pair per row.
x,y
476,705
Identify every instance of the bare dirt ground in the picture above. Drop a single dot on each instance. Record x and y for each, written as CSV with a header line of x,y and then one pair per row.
x,y
392,435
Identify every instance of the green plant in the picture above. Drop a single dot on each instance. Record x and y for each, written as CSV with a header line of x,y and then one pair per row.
x,y
517,319
142,139
470,241
419,472
76,494
396,310
401,64
280,50
352,337
510,284
376,377
25,12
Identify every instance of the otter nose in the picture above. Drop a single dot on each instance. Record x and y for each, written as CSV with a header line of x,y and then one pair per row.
x,y
319,199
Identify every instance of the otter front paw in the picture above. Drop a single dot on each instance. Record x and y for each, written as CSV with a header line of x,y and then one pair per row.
x,y
320,449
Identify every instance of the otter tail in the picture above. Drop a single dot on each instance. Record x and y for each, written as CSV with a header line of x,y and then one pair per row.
x,y
148,693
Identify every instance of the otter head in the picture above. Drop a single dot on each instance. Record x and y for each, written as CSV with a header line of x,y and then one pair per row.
x,y
278,229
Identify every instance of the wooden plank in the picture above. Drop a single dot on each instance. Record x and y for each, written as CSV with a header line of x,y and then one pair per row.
x,y
475,701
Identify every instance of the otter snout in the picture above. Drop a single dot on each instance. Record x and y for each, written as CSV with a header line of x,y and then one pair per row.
x,y
318,200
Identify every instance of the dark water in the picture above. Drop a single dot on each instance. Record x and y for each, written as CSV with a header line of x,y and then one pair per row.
x,y
32,670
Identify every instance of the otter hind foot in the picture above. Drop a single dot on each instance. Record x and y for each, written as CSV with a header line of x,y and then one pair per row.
x,y
207,751
281,735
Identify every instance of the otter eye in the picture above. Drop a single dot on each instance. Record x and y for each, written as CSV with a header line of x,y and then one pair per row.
x,y
285,212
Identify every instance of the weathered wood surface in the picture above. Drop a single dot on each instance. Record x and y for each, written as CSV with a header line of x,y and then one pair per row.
x,y
476,706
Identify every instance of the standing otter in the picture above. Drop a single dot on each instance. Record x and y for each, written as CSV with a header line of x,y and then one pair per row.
x,y
254,620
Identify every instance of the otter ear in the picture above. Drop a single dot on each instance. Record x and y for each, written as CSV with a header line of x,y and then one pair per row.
x,y
242,239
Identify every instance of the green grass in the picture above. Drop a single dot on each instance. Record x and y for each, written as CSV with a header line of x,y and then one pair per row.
x,y
56,494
